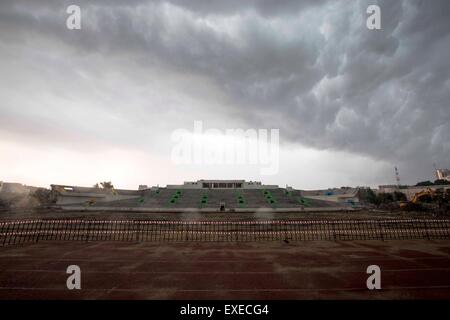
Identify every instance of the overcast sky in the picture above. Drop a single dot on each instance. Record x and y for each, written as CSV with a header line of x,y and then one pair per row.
x,y
101,103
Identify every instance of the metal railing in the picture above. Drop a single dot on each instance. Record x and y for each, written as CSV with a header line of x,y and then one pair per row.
x,y
36,230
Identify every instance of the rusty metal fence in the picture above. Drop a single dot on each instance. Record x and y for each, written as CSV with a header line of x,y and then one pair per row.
x,y
36,230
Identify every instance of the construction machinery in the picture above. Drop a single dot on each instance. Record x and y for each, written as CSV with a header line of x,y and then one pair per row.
x,y
428,199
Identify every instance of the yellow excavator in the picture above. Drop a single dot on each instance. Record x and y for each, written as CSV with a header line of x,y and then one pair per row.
x,y
427,198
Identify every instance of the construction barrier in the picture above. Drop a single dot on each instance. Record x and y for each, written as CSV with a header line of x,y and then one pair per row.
x,y
36,230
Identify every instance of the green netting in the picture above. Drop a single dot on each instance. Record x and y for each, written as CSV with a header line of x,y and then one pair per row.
x,y
175,197
304,201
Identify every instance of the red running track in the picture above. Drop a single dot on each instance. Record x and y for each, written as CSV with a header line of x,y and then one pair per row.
x,y
261,270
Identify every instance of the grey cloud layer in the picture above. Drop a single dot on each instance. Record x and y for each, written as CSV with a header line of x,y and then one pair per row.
x,y
310,68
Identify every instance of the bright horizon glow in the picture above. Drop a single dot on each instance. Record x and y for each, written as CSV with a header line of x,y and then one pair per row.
x,y
127,168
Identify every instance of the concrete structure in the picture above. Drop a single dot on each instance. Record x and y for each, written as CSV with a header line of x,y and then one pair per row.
x,y
222,184
388,188
76,195
339,195
14,188
443,174
16,195
202,195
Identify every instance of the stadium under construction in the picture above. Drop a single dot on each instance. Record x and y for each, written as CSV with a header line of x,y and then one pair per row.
x,y
205,196
220,239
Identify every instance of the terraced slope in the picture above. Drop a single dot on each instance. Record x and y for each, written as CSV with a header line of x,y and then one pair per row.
x,y
213,198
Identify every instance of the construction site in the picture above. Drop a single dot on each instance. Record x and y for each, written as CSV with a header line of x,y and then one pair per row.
x,y
223,239
224,150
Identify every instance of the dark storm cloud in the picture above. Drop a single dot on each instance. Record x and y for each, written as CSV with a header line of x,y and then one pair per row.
x,y
310,68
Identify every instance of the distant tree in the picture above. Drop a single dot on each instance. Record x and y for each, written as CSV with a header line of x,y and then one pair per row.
x,y
424,183
96,186
107,185
385,198
399,196
44,196
368,195
3,204
441,182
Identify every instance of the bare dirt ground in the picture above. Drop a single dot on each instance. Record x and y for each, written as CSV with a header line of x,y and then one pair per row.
x,y
413,269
